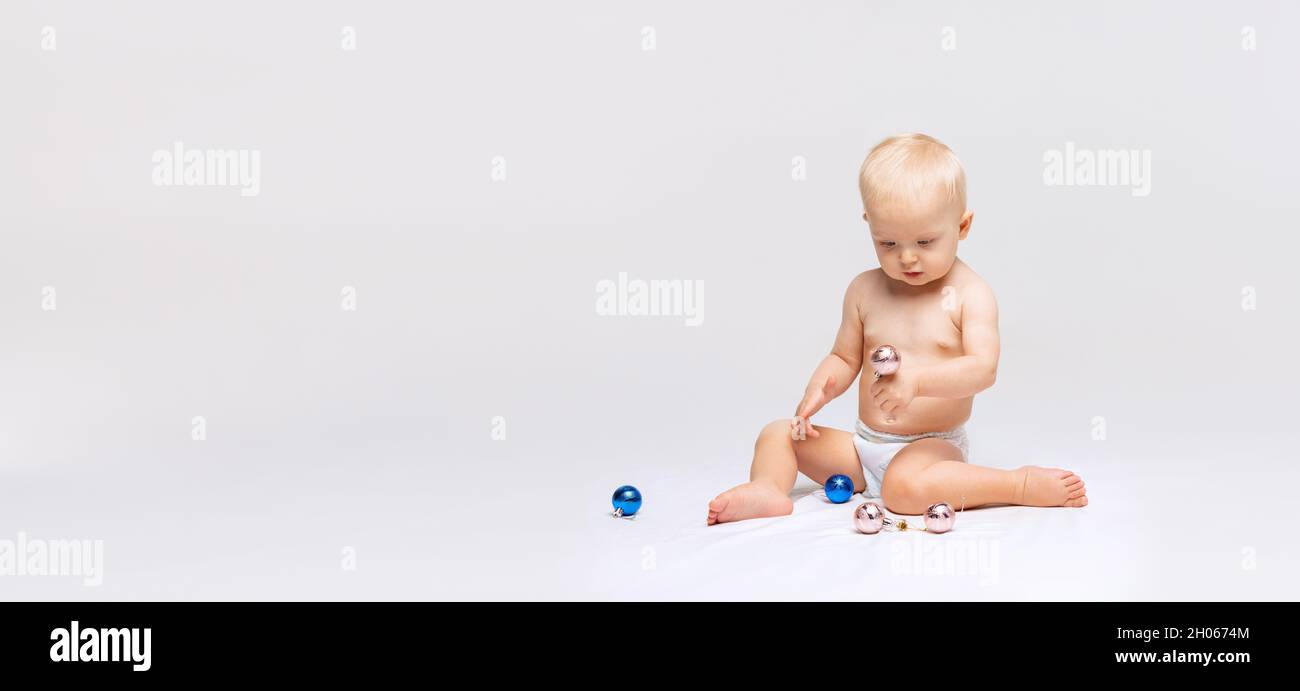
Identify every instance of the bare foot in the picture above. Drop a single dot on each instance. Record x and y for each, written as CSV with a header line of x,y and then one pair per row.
x,y
750,500
1049,487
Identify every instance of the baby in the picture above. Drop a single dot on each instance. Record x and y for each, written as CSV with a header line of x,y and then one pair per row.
x,y
909,447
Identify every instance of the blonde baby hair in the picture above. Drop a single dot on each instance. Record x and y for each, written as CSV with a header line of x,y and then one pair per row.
x,y
913,168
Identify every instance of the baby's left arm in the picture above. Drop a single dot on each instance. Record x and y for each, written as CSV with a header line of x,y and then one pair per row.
x,y
977,369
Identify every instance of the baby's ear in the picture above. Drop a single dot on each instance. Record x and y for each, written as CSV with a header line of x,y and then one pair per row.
x,y
864,217
964,226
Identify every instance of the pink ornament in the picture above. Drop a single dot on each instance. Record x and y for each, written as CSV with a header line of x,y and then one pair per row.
x,y
939,518
869,518
885,360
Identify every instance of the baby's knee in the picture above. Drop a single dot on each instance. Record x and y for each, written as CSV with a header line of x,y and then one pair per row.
x,y
775,430
905,494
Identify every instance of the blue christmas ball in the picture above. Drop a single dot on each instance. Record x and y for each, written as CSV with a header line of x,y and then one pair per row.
x,y
839,488
627,500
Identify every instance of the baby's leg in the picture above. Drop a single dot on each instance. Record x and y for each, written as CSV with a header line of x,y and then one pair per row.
x,y
930,470
778,459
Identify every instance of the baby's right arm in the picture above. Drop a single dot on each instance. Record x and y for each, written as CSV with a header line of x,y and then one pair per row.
x,y
837,370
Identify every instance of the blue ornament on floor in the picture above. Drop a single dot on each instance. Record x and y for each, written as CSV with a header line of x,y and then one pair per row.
x,y
839,488
627,501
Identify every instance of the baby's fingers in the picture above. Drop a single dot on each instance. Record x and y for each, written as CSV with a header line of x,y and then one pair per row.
x,y
800,428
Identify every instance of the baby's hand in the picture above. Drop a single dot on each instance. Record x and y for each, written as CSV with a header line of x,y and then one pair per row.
x,y
813,400
895,391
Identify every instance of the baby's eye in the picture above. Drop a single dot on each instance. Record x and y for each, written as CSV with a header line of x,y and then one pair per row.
x,y
887,243
923,242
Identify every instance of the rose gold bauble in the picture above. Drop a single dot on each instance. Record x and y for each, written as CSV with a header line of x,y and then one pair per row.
x,y
939,518
885,360
869,518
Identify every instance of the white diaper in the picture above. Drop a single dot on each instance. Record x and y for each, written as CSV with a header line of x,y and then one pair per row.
x,y
877,449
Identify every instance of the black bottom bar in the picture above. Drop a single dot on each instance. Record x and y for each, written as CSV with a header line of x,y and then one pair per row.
x,y
532,642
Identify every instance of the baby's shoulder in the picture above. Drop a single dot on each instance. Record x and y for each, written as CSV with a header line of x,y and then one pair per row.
x,y
867,280
864,284
967,279
972,289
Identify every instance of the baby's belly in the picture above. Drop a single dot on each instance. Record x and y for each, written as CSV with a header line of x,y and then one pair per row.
x,y
923,414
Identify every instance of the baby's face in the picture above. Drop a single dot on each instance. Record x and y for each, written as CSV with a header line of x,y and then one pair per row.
x,y
917,244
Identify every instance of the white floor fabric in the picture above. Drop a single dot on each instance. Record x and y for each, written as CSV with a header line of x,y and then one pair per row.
x,y
1120,547
255,530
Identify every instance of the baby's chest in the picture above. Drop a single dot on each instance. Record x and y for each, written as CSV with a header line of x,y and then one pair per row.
x,y
931,330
